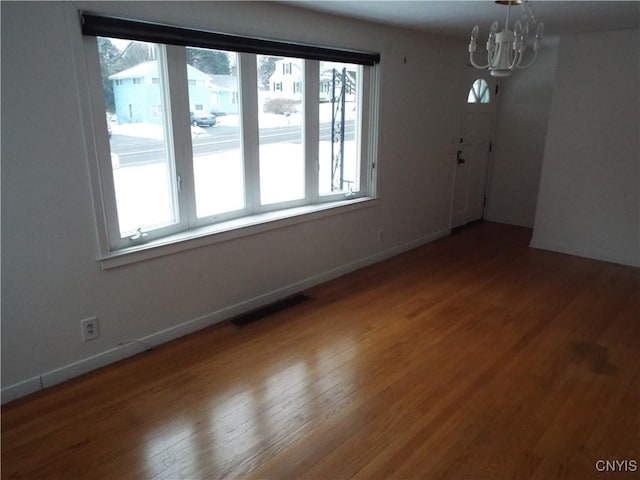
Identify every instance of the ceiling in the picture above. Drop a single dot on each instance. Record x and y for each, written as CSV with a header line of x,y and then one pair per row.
x,y
456,18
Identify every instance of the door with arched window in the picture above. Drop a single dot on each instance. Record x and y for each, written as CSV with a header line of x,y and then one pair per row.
x,y
473,151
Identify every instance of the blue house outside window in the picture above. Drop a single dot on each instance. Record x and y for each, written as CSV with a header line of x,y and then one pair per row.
x,y
137,93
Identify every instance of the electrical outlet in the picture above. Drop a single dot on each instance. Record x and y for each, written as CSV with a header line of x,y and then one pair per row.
x,y
90,328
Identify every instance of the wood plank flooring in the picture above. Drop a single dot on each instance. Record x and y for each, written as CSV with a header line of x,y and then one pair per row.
x,y
474,357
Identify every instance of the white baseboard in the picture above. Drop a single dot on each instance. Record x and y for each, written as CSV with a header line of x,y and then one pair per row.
x,y
595,254
86,365
21,389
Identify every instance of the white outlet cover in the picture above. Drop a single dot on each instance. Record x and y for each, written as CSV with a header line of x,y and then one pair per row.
x,y
90,328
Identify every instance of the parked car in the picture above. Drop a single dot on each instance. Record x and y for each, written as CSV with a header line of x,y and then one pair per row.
x,y
201,119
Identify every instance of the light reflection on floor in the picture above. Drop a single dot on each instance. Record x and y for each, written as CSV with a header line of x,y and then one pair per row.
x,y
246,419
172,450
233,429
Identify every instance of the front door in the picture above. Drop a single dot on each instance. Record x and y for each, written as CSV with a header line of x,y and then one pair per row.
x,y
472,159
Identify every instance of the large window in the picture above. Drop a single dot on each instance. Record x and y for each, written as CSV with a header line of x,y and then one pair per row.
x,y
198,136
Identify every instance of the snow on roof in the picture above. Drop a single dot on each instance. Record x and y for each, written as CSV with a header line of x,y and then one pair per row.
x,y
224,82
150,69
144,69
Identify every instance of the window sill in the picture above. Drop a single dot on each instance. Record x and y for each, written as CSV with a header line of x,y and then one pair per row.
x,y
230,230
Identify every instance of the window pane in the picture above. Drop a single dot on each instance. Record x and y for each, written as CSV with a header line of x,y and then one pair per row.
x,y
215,131
471,97
134,101
280,118
339,153
479,92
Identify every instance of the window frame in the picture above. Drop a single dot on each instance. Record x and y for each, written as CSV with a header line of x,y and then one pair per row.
x,y
174,85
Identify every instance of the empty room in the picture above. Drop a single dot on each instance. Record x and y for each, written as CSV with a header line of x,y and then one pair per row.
x,y
320,239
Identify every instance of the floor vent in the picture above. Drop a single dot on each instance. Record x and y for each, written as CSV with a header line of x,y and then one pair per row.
x,y
262,312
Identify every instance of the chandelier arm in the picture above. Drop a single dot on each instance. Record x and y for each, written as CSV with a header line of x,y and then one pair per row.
x,y
475,64
517,59
535,55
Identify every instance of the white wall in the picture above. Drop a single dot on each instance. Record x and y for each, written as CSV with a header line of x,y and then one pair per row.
x,y
50,278
589,197
521,127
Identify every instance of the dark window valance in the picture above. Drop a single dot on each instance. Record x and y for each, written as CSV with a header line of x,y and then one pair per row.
x,y
108,26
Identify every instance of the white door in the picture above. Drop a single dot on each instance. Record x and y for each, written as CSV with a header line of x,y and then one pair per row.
x,y
472,159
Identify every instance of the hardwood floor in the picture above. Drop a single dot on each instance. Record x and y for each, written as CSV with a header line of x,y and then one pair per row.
x,y
474,357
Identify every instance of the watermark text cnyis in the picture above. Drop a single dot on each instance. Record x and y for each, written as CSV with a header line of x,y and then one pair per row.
x,y
617,465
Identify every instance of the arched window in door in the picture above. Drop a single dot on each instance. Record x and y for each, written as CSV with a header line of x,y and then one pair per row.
x,y
479,92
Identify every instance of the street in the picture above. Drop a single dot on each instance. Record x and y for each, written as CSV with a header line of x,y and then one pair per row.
x,y
140,151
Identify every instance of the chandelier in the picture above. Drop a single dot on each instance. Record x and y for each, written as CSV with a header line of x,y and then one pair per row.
x,y
506,49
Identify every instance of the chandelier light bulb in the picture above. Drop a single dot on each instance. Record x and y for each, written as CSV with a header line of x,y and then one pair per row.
x,y
517,29
475,32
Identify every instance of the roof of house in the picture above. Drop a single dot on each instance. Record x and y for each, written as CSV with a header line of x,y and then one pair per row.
x,y
224,82
150,69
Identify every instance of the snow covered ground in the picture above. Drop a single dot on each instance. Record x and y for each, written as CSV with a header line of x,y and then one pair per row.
x,y
144,192
266,120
